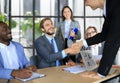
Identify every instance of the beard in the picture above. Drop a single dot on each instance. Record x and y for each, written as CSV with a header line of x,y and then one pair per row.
x,y
9,37
49,33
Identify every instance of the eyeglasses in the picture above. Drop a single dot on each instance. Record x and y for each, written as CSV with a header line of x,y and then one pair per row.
x,y
92,32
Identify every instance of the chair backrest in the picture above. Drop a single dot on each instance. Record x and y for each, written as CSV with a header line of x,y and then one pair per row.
x,y
34,60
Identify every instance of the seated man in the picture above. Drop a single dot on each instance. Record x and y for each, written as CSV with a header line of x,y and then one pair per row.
x,y
12,57
50,49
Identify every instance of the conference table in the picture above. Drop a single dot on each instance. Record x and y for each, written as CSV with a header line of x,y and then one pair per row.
x,y
57,75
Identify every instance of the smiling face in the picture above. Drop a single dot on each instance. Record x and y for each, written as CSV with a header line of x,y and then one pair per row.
x,y
67,13
48,27
90,32
5,33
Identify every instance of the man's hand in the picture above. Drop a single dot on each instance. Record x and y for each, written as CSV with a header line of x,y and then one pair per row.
x,y
77,45
91,74
21,73
75,48
32,68
72,51
71,63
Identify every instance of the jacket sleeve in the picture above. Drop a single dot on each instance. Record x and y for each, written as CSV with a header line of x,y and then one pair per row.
x,y
78,35
4,73
45,52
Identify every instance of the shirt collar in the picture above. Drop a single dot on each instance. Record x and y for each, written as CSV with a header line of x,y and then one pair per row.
x,y
104,9
3,45
68,22
49,38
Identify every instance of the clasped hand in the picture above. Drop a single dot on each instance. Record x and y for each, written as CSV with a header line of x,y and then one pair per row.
x,y
76,47
23,73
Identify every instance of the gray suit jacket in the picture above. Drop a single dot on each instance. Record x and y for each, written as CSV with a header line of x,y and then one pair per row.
x,y
61,30
46,55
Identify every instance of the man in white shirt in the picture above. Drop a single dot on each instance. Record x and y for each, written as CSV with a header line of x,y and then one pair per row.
x,y
12,57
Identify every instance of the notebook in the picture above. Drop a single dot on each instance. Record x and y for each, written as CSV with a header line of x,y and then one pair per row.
x,y
75,69
34,76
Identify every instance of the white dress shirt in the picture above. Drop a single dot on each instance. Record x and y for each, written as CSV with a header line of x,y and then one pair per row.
x,y
9,55
67,28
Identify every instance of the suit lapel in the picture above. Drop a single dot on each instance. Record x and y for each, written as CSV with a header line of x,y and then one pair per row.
x,y
47,43
58,44
72,25
63,28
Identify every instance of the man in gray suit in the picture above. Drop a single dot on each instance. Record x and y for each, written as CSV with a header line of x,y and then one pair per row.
x,y
50,49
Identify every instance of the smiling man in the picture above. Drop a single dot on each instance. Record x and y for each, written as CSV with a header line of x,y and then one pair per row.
x,y
50,49
12,57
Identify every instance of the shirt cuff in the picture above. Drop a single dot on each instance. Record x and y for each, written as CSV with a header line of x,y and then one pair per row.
x,y
63,54
100,75
85,43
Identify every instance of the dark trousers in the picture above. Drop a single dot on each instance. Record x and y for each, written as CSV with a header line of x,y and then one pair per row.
x,y
71,57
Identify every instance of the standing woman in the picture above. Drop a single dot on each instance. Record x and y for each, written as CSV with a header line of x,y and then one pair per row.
x,y
66,28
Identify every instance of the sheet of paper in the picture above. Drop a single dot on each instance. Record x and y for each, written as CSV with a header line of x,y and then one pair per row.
x,y
75,69
34,76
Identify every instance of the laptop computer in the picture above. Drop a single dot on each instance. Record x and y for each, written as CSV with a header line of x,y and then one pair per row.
x,y
88,60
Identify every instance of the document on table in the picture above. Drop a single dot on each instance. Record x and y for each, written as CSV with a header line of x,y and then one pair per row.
x,y
34,76
75,69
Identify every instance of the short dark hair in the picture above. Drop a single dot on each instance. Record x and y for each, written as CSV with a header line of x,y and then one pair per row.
x,y
2,23
43,20
63,18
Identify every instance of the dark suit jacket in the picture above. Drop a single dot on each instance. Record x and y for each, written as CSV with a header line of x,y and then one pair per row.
x,y
45,52
110,34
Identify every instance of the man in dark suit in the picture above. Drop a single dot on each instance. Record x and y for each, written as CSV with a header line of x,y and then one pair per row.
x,y
50,49
110,34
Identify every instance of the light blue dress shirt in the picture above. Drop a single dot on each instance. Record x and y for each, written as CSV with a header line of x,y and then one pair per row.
x,y
55,47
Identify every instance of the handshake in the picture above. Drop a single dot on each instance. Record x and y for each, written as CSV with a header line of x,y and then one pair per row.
x,y
75,48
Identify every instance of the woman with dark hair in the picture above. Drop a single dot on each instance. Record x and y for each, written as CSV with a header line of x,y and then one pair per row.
x,y
63,11
68,28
